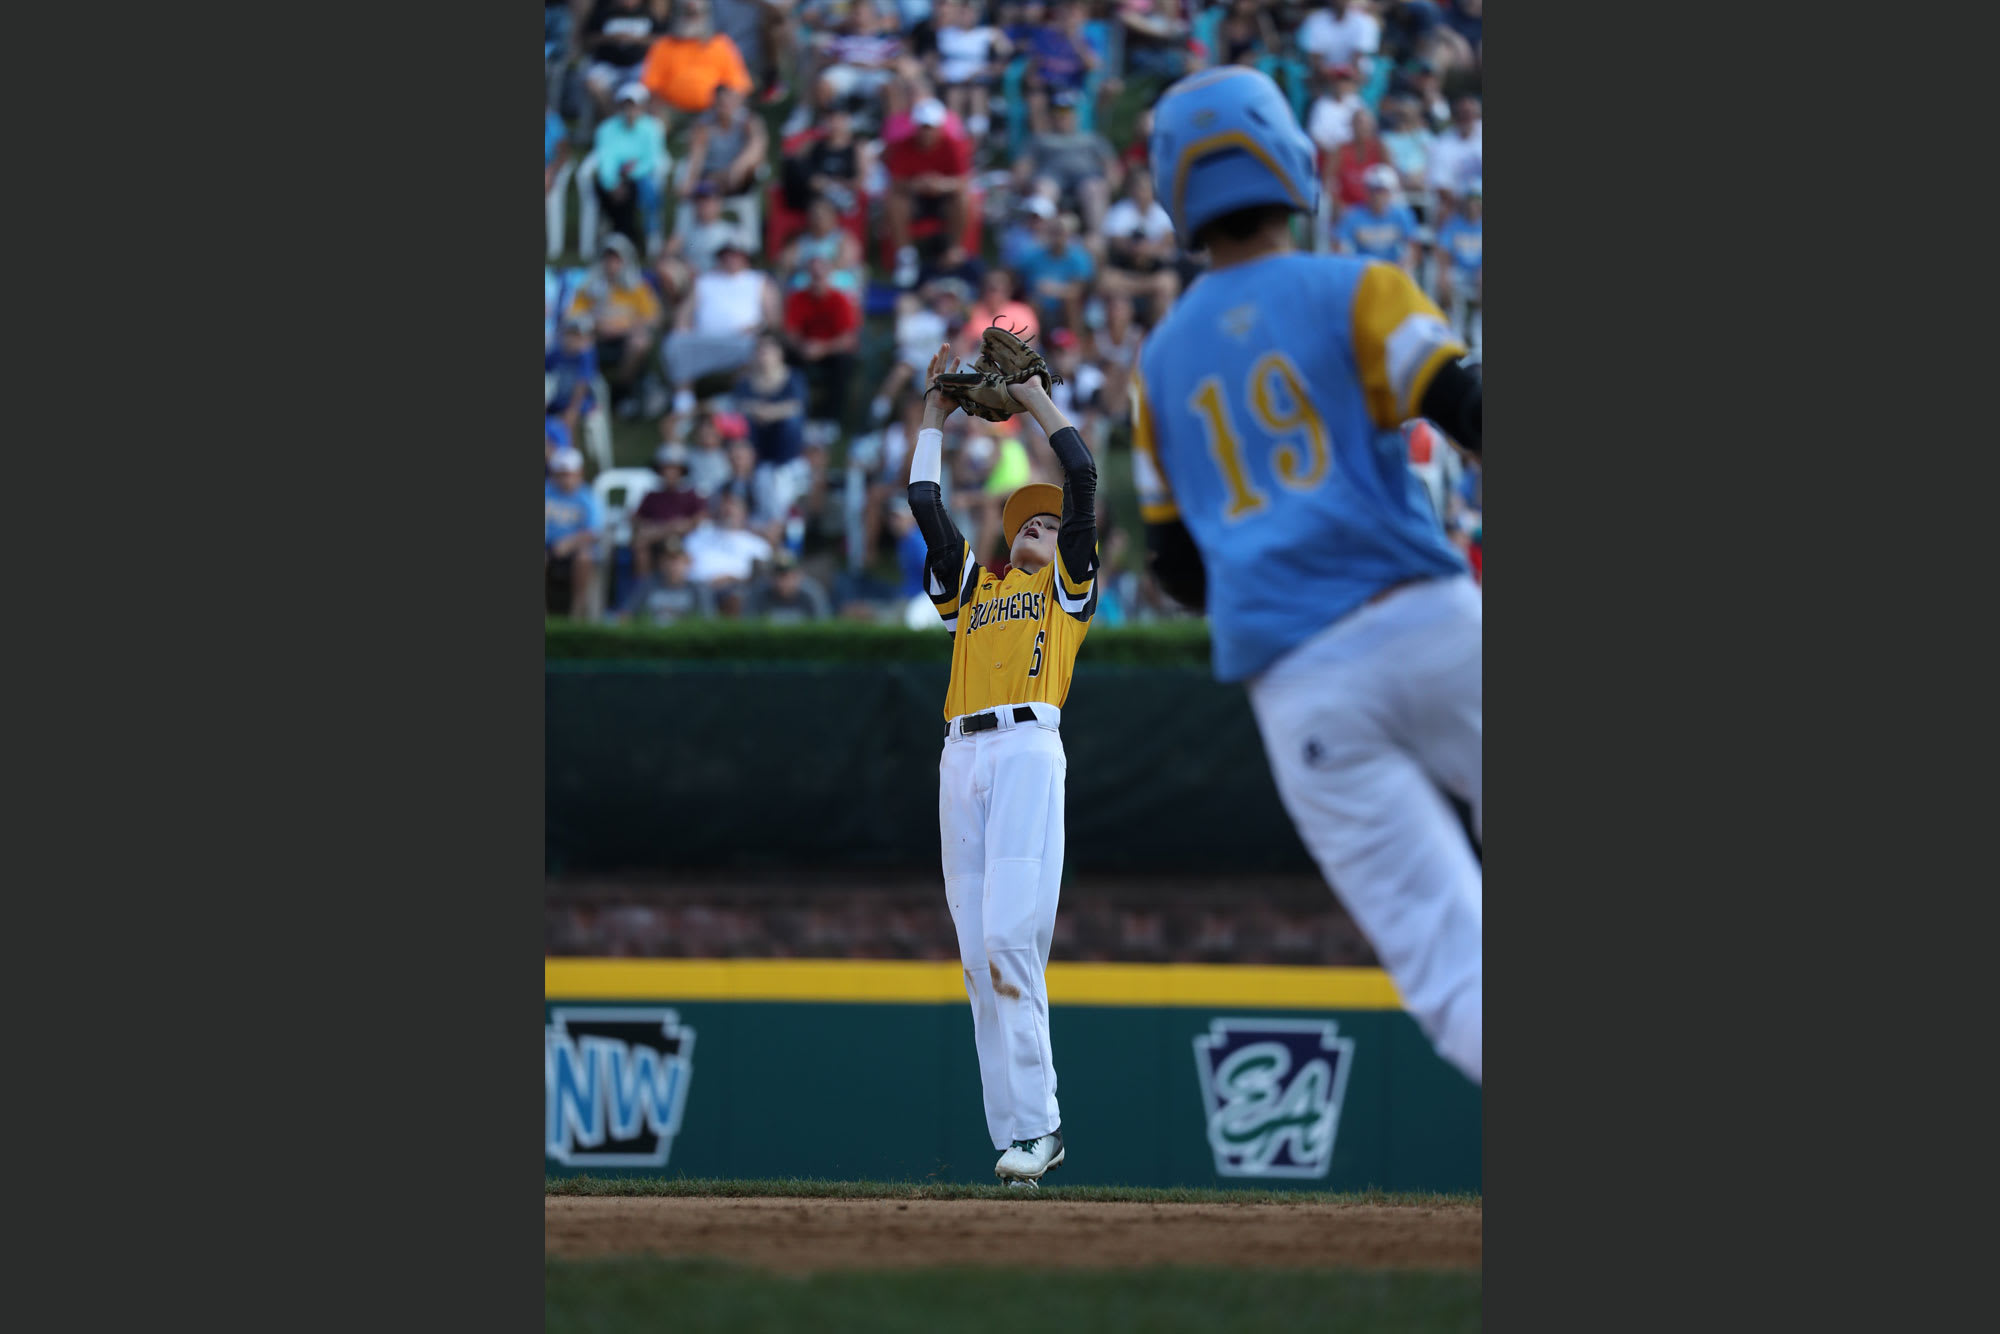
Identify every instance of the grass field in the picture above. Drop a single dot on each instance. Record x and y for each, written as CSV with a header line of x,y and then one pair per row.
x,y
891,1256
617,1296
813,1189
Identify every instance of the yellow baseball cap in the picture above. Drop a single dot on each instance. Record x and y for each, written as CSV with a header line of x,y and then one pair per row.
x,y
1032,499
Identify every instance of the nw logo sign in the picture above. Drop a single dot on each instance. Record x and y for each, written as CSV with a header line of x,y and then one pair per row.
x,y
616,1081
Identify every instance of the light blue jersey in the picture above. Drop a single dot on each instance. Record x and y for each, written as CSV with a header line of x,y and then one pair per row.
x,y
1465,242
1265,417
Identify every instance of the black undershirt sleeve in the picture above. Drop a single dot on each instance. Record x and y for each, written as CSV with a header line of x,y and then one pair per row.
x,y
944,545
1176,563
1454,401
1076,538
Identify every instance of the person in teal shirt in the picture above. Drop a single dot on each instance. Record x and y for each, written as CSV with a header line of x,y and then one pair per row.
x,y
1406,139
1056,273
631,150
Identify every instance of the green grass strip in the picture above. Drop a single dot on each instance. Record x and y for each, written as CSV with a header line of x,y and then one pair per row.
x,y
813,1189
615,1296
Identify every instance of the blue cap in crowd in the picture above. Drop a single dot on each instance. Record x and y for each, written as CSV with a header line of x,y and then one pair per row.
x,y
558,434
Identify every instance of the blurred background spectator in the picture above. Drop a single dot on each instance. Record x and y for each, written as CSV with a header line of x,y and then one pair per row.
x,y
823,326
863,51
1156,33
1407,140
685,67
773,397
1059,59
789,595
930,177
1139,249
698,243
1381,226
825,239
729,146
1347,166
997,304
616,37
828,162
729,307
1058,272
803,198
624,315
1342,34
667,593
571,367
1331,120
1455,155
762,515
631,155
1461,246
667,513
571,526
967,61
1077,168
725,553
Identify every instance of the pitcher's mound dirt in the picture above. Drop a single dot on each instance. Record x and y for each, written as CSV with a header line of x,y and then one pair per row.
x,y
798,1235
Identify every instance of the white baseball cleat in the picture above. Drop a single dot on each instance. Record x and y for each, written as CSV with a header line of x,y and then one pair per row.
x,y
1028,1159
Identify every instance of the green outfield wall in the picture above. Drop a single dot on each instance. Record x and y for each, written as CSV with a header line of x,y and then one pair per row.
x,y
667,766
1170,1075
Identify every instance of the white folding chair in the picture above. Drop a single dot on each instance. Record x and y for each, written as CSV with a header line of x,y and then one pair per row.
x,y
586,206
558,210
597,426
618,492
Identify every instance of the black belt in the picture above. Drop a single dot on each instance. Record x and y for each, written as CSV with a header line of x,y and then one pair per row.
x,y
986,722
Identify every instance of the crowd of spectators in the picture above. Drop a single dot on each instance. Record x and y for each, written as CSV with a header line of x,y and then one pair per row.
x,y
1268,920
794,202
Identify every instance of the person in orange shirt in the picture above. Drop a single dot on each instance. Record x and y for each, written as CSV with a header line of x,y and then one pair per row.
x,y
996,302
684,69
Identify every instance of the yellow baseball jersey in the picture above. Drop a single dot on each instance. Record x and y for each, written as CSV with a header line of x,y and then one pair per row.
x,y
1015,638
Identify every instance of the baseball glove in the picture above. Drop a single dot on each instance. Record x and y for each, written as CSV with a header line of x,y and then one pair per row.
x,y
1004,359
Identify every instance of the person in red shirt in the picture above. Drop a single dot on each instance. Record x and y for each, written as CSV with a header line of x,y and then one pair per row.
x,y
930,176
824,329
1348,164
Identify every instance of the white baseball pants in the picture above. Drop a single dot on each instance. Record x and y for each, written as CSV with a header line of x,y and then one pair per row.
x,y
1000,819
1363,724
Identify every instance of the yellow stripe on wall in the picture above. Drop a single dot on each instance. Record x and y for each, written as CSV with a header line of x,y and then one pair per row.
x,y
927,982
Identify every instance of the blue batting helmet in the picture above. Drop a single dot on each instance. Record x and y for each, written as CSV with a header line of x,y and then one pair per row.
x,y
1226,139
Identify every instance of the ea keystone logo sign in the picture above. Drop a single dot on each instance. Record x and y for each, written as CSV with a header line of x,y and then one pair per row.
x,y
1272,1089
617,1080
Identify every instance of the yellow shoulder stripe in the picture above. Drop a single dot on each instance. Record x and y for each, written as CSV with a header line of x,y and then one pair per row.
x,y
1400,340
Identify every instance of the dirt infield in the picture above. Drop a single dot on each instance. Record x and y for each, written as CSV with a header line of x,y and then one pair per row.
x,y
802,1235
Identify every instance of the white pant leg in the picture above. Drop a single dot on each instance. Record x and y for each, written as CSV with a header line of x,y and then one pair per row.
x,y
962,835
1440,693
1024,847
1336,726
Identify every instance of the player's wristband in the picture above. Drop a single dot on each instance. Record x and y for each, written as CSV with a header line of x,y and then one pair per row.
x,y
927,460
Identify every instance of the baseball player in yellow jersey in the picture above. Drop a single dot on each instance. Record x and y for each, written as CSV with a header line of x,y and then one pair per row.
x,y
1016,629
